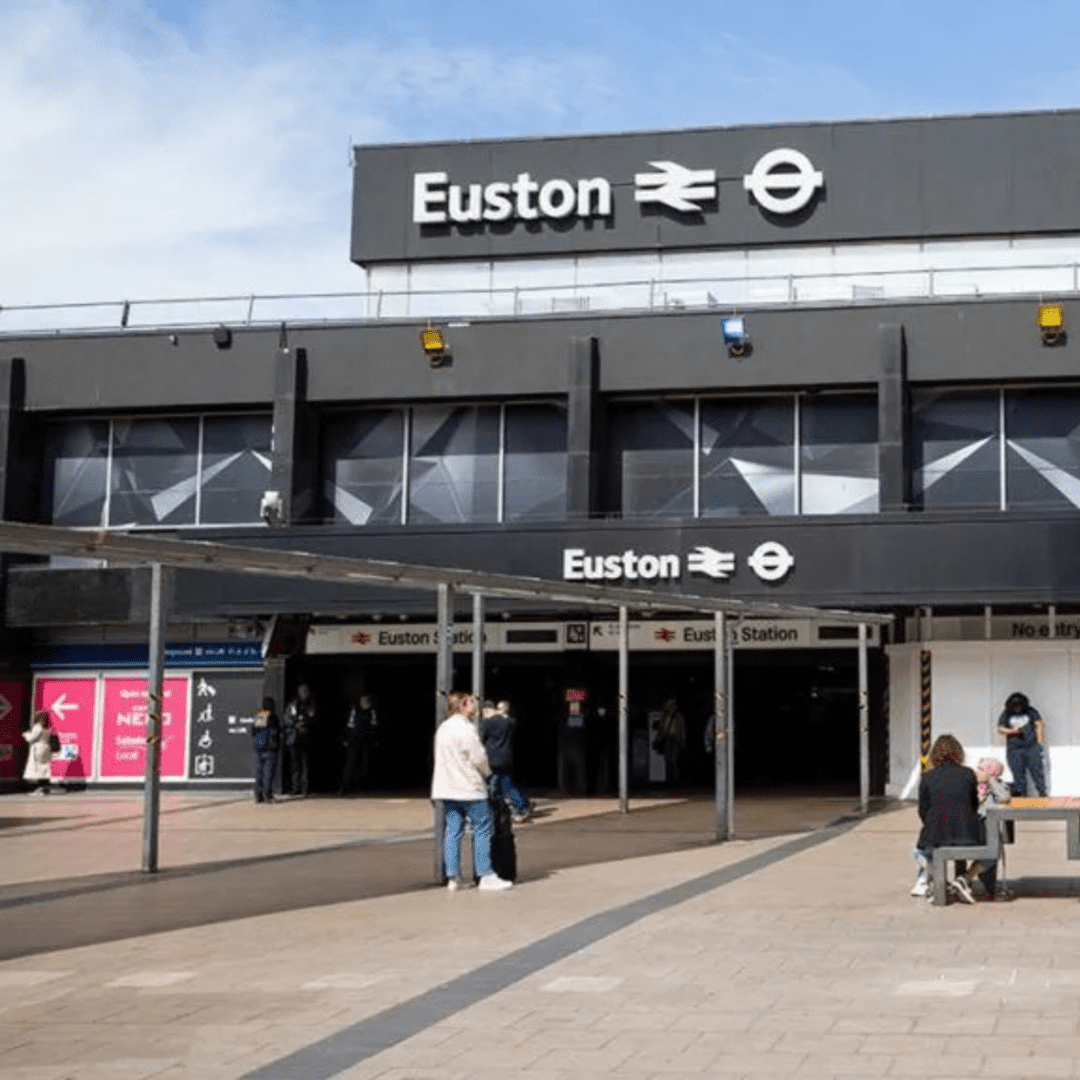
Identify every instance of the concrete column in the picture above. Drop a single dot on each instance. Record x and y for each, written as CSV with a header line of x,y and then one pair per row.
x,y
721,742
294,464
864,725
444,656
478,645
893,472
582,428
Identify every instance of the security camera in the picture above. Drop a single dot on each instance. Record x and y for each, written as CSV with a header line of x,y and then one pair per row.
x,y
271,509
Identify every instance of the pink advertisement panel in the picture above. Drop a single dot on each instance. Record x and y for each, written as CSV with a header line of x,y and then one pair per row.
x,y
123,728
70,702
11,740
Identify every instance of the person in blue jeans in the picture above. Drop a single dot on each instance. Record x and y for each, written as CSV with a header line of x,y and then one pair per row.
x,y
1021,726
459,781
497,734
266,734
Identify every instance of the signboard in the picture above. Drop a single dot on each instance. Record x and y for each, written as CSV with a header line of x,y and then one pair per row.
x,y
671,636
715,188
123,728
70,702
680,635
423,638
11,716
223,705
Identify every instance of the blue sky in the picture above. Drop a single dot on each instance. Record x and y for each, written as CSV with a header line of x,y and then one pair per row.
x,y
182,147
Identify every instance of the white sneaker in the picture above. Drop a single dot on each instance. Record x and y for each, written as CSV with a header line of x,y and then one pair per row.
x,y
921,886
453,885
493,882
962,889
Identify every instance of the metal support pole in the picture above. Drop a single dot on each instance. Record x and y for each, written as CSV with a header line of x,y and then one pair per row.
x,y
478,645
624,713
444,655
730,657
154,691
864,727
721,744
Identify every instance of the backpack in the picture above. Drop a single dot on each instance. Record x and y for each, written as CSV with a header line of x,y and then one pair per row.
x,y
54,742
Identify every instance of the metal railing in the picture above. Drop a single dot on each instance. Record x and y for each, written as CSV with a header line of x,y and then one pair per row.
x,y
652,294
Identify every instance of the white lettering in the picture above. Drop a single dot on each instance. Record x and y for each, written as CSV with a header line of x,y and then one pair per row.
x,y
436,201
557,199
669,566
497,204
524,186
629,561
648,567
612,567
426,197
586,189
573,564
470,212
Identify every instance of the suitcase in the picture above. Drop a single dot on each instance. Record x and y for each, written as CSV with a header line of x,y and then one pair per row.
x,y
503,847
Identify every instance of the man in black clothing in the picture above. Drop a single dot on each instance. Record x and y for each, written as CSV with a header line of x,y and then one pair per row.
x,y
360,740
497,734
298,723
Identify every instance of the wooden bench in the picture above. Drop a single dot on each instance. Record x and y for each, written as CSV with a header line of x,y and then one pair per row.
x,y
1050,808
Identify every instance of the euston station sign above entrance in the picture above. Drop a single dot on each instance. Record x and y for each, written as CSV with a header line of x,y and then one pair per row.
x,y
717,188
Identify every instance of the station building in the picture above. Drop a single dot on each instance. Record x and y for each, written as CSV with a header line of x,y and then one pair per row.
x,y
818,364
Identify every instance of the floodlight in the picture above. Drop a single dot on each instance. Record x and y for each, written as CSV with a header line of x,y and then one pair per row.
x,y
1051,322
735,335
436,348
222,337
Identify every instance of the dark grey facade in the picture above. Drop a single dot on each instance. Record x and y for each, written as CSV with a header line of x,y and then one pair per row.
x,y
907,454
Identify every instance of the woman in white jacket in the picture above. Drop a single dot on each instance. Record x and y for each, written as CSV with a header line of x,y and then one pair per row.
x,y
460,781
38,769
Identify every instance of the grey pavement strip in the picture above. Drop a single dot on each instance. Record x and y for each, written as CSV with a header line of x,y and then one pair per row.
x,y
333,1055
130,878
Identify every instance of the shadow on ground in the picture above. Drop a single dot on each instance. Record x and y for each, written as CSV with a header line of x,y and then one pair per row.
x,y
43,917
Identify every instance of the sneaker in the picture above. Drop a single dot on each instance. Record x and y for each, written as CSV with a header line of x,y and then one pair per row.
x,y
520,819
492,882
453,885
921,886
963,890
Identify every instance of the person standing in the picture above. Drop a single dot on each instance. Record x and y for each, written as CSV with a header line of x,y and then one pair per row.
x,y
1021,726
671,739
497,728
459,781
266,734
360,740
299,721
38,769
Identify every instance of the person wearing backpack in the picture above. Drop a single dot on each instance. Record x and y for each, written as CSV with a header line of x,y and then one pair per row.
x,y
38,769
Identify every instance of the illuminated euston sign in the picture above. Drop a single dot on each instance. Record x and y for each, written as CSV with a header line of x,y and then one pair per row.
x,y
782,181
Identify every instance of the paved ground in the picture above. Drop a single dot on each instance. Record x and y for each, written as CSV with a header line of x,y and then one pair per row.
x,y
302,940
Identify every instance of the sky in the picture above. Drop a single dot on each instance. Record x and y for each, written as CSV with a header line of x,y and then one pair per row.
x,y
168,148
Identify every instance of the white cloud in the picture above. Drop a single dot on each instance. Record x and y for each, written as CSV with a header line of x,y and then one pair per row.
x,y
141,162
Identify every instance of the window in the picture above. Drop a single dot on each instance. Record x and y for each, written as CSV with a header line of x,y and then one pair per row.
x,y
997,448
160,471
651,464
732,457
446,464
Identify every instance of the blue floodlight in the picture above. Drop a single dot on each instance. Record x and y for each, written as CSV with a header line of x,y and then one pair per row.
x,y
733,331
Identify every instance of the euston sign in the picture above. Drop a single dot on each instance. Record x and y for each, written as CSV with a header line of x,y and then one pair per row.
x,y
770,561
783,181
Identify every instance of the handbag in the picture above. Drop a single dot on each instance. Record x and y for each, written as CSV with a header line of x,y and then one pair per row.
x,y
54,742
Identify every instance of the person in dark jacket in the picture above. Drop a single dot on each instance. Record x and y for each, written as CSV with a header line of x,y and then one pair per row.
x,y
360,740
949,808
1021,726
266,733
497,734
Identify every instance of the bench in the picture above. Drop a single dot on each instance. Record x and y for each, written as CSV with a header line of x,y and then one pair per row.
x,y
1048,808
